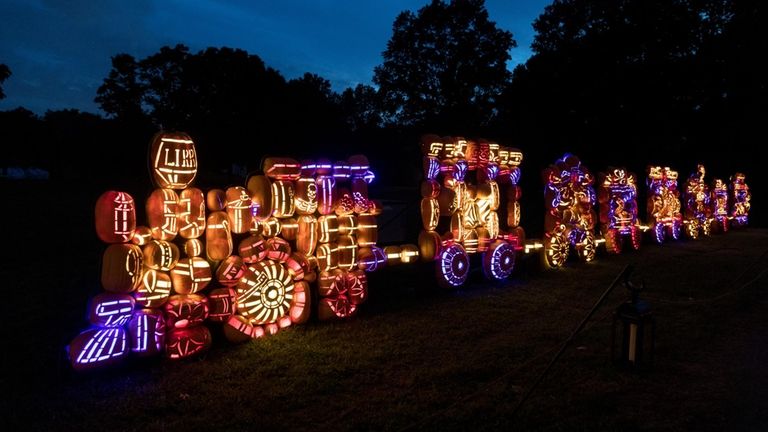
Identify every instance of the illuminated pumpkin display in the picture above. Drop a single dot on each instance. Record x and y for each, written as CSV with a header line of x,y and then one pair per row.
x,y
618,209
173,160
115,217
570,219
697,212
461,191
663,203
146,332
719,202
121,268
740,199
290,221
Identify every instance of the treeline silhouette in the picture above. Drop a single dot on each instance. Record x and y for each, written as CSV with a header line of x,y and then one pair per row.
x,y
618,82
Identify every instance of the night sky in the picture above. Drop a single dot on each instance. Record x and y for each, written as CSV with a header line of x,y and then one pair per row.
x,y
59,51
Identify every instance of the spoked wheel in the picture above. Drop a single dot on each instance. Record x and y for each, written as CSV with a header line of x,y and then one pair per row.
x,y
555,248
692,229
586,247
499,261
675,229
452,267
613,241
658,232
636,236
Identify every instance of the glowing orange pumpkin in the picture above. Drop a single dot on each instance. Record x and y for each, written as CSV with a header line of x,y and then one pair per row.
x,y
193,247
238,329
429,245
121,268
302,302
216,200
306,235
191,210
281,168
305,197
260,189
190,275
115,217
430,213
221,302
271,227
252,249
264,294
278,249
327,256
173,160
239,209
161,255
283,205
326,195
141,236
231,270
218,239
162,206
154,290
347,246
328,228
367,230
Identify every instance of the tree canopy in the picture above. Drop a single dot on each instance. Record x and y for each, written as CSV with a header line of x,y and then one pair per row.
x,y
444,65
5,72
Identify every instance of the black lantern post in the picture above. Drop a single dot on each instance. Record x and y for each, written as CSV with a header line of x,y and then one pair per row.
x,y
637,327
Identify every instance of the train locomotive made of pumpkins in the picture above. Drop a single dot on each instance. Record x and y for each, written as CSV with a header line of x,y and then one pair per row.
x,y
299,238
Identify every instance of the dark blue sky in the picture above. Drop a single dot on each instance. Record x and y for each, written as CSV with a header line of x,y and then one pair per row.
x,y
59,51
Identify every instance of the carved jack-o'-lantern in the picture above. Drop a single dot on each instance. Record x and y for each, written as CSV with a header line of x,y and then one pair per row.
x,y
302,301
430,213
327,256
278,249
218,238
154,290
121,268
221,302
146,332
281,168
367,230
328,228
371,258
115,217
161,255
193,247
238,329
260,189
271,227
190,275
429,245
173,159
162,207
347,246
191,208
141,236
187,342
265,293
230,271
252,249
110,310
98,347
342,292
305,198
216,200
326,195
283,199
186,310
306,235
239,209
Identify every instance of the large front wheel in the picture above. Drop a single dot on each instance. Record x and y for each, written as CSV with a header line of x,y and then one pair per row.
x,y
452,267
499,261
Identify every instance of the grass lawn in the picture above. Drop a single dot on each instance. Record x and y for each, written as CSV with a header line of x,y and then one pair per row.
x,y
416,357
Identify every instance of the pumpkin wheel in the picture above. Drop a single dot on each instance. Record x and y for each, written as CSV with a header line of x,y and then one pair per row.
x,y
499,261
452,267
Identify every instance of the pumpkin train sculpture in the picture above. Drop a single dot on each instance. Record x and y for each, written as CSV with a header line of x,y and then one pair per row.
x,y
466,183
243,258
569,222
300,236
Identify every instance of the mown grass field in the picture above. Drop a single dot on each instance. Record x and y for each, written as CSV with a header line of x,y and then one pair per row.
x,y
416,357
